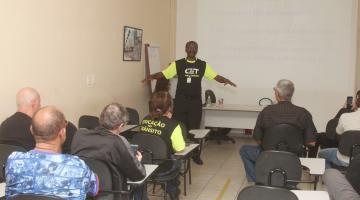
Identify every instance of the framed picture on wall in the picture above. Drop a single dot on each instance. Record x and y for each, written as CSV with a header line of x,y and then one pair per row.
x,y
132,44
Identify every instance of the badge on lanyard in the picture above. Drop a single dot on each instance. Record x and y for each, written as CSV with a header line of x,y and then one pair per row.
x,y
188,80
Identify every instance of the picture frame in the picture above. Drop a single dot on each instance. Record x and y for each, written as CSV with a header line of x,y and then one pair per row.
x,y
132,44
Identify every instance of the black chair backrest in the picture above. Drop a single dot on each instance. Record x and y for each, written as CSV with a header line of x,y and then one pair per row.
x,y
88,122
258,192
350,140
283,137
70,132
34,197
154,150
211,94
330,130
353,173
5,151
102,170
133,116
277,161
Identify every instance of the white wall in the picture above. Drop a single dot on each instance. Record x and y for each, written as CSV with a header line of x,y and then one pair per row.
x,y
52,45
256,43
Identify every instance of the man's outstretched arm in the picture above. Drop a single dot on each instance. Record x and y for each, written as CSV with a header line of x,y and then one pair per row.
x,y
155,76
224,80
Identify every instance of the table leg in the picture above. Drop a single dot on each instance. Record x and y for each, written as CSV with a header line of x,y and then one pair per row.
x,y
189,166
316,181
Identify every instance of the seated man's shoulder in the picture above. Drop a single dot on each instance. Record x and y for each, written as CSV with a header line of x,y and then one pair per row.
x,y
302,109
17,154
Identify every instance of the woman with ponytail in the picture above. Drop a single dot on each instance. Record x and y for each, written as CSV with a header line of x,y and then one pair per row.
x,y
159,123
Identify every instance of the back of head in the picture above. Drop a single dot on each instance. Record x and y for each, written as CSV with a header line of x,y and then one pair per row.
x,y
357,100
47,123
25,96
160,103
285,89
162,84
113,115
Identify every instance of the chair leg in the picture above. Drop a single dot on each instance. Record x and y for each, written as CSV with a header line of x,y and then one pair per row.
x,y
154,184
165,194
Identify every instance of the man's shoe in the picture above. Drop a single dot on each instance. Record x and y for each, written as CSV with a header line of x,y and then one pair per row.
x,y
174,195
198,160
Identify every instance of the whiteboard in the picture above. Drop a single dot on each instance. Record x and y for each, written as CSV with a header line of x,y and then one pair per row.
x,y
153,61
255,43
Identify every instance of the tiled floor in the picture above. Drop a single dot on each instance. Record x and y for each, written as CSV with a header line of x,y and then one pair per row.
x,y
222,176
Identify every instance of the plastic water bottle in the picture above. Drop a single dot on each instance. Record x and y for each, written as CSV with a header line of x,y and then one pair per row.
x,y
208,101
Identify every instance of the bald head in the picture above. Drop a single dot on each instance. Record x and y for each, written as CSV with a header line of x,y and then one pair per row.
x,y
28,100
47,123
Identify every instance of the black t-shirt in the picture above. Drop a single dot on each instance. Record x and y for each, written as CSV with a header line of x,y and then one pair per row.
x,y
15,130
189,77
285,112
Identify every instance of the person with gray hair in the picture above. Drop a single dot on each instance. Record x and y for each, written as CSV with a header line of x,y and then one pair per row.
x,y
15,130
284,112
105,143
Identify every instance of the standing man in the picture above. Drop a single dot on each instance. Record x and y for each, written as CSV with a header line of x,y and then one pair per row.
x,y
190,71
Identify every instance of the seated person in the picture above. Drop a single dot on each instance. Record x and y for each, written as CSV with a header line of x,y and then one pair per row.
x,y
346,109
284,112
170,132
106,144
44,170
162,84
338,187
347,122
15,130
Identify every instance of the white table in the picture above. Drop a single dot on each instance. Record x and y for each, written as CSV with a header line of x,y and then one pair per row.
x,y
149,168
188,149
311,195
230,116
199,133
316,167
185,155
128,127
2,189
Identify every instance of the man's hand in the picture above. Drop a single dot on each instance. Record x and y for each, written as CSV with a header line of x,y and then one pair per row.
x,y
227,81
138,156
152,77
224,80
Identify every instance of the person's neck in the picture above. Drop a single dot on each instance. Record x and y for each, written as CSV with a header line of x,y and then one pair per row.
x,y
191,58
283,101
48,147
115,131
26,111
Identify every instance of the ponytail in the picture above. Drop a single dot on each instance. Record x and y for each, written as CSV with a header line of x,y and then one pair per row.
x,y
159,104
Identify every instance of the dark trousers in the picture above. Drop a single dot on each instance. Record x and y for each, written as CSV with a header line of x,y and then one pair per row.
x,y
189,112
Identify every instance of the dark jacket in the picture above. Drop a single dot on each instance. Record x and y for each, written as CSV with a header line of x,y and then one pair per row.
x,y
112,149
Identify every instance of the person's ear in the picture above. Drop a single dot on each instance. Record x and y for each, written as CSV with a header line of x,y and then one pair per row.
x,y
62,135
120,127
31,130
